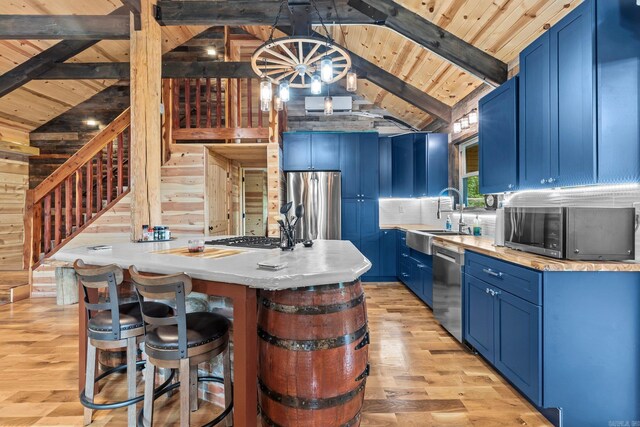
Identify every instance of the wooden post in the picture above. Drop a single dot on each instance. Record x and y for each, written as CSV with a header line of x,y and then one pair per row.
x,y
167,119
274,126
145,156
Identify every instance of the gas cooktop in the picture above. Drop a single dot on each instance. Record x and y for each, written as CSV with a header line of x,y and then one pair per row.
x,y
256,242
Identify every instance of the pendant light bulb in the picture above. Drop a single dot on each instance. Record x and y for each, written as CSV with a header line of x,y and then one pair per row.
x,y
316,85
266,94
265,105
473,116
284,93
326,69
328,106
278,104
352,81
457,127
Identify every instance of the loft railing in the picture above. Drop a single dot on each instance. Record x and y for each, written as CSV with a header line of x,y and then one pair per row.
x,y
79,191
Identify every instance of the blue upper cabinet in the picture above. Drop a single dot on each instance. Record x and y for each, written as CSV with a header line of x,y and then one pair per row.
x,y
359,165
535,140
385,167
369,165
618,68
572,125
437,163
402,166
498,139
325,151
420,164
350,165
297,151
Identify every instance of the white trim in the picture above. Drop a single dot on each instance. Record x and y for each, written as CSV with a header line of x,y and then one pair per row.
x,y
463,162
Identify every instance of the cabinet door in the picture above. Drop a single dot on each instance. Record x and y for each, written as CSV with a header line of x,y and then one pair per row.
x,y
369,167
534,143
426,276
519,344
420,165
498,139
297,151
388,253
370,234
325,151
437,163
479,317
573,125
402,166
350,165
351,221
385,167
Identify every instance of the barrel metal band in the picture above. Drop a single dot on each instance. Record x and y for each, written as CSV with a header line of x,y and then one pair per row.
x,y
312,345
311,309
303,403
331,286
270,423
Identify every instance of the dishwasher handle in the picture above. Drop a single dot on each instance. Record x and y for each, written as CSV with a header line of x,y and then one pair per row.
x,y
446,257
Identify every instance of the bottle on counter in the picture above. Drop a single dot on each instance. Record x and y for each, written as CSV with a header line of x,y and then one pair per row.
x,y
448,225
145,232
477,226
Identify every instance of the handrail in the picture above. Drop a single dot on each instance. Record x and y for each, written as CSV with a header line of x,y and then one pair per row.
x,y
82,156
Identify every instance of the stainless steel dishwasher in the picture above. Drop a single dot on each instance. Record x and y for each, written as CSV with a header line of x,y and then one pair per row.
x,y
447,289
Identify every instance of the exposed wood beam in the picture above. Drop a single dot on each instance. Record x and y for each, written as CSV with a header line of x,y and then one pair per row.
x,y
434,38
60,52
237,13
68,27
396,86
134,7
170,69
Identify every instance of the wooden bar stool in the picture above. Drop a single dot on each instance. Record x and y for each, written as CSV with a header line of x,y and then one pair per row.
x,y
181,341
111,325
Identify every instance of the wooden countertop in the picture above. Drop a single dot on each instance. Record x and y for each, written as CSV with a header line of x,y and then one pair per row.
x,y
407,227
485,246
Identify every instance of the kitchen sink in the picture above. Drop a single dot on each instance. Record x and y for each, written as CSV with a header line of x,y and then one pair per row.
x,y
421,240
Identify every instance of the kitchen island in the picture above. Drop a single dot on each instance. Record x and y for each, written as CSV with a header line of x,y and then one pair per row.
x,y
235,276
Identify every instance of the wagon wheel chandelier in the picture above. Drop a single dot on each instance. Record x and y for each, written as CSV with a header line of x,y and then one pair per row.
x,y
301,61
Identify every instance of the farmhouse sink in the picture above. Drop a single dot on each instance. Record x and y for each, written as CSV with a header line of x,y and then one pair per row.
x,y
421,240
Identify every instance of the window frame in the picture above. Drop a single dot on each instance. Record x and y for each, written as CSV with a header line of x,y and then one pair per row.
x,y
462,147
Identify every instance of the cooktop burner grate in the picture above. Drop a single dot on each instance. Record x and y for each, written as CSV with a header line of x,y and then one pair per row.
x,y
257,242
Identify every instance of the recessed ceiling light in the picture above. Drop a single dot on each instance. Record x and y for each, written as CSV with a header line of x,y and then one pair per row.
x,y
91,122
211,51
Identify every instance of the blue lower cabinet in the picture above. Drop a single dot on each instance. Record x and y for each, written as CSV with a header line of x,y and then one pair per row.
x,y
388,254
518,353
370,235
426,274
480,316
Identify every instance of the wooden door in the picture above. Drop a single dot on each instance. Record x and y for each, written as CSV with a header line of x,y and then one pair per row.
x,y
255,202
218,194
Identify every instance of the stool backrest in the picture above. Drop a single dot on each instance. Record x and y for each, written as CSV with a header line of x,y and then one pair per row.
x,y
174,287
100,277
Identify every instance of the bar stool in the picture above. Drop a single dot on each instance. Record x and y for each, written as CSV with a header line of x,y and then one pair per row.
x,y
111,325
181,341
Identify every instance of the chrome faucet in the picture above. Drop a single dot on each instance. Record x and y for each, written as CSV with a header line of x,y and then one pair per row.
x,y
461,223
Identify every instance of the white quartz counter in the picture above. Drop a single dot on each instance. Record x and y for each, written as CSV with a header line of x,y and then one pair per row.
x,y
327,261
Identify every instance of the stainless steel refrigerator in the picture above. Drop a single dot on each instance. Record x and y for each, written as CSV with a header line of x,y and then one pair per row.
x,y
320,194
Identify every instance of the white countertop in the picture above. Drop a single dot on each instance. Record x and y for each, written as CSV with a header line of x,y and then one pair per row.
x,y
327,261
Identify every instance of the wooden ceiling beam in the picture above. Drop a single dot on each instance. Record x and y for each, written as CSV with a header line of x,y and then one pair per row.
x,y
241,12
170,69
68,27
434,38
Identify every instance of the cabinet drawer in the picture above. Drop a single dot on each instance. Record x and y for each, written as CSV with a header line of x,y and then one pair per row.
x,y
520,281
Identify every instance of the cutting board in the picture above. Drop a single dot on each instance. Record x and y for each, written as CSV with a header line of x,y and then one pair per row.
x,y
208,252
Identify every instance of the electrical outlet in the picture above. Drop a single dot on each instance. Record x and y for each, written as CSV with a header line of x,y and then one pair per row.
x,y
401,209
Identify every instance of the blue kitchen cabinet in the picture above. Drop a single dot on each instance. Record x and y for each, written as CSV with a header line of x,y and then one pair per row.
x,y
402,173
370,234
498,139
359,165
325,151
572,87
350,221
535,116
618,94
297,151
437,163
385,167
350,165
518,338
388,255
479,315
404,266
426,276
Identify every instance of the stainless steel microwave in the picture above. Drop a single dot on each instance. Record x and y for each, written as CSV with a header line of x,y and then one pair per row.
x,y
603,234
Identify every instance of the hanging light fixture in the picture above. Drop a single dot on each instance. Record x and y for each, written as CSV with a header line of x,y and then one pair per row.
x,y
316,85
326,69
265,106
464,122
473,116
284,93
328,105
352,81
457,127
266,94
278,103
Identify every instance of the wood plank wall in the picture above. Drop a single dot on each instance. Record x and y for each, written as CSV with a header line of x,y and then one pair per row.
x,y
255,202
14,181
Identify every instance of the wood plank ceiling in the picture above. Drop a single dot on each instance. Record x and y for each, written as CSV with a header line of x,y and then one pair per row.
x,y
501,28
37,102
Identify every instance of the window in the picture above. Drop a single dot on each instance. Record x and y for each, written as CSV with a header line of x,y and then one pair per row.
x,y
469,179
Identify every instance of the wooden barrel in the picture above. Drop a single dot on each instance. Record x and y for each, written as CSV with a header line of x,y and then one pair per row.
x,y
313,355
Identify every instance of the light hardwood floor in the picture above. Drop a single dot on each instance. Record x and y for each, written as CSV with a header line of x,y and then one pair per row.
x,y
420,376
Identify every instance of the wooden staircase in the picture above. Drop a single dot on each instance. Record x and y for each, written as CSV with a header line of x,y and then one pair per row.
x,y
88,184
